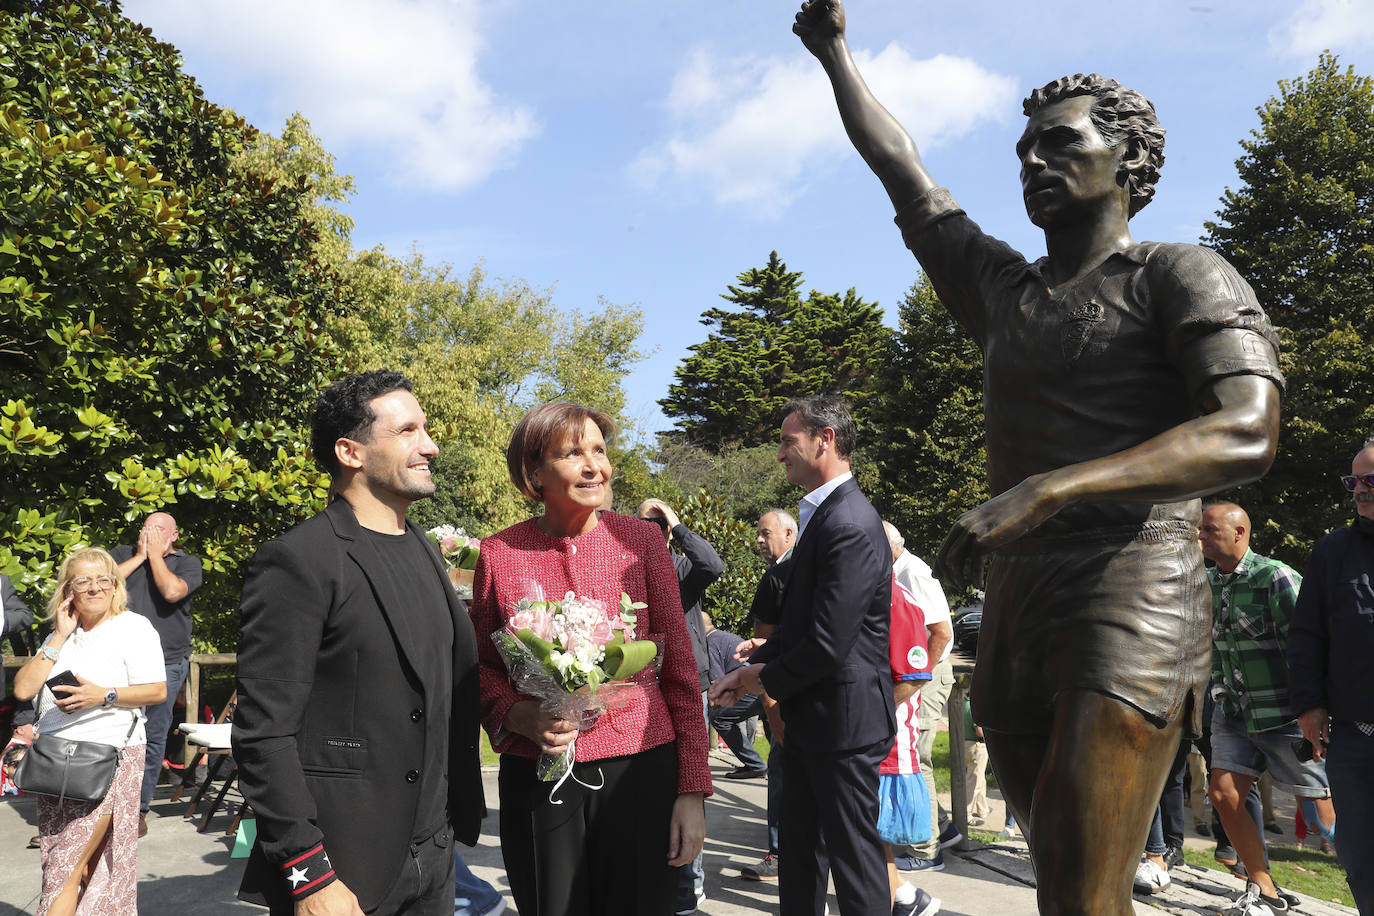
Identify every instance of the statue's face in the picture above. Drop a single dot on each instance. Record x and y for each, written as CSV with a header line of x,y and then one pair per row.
x,y
1067,172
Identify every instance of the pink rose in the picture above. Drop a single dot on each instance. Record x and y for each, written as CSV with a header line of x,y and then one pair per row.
x,y
602,632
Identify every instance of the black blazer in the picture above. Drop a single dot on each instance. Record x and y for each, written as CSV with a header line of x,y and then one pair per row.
x,y
827,664
331,715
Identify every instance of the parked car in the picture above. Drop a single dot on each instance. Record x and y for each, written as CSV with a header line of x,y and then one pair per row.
x,y
965,624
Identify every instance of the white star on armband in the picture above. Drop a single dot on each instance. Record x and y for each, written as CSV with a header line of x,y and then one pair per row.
x,y
308,872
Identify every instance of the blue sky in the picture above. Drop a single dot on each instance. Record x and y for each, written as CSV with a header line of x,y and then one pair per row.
x,y
645,152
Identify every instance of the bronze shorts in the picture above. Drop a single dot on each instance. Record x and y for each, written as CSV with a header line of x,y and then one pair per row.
x,y
1122,612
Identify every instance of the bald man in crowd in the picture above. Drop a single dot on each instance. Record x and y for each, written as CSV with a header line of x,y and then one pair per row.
x,y
1254,724
161,579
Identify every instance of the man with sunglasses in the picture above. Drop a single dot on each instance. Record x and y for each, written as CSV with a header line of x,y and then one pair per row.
x,y
1329,653
161,578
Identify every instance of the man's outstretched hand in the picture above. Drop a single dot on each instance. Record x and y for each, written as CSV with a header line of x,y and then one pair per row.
x,y
819,23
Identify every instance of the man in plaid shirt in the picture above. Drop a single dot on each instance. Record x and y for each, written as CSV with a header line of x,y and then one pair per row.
x,y
1254,724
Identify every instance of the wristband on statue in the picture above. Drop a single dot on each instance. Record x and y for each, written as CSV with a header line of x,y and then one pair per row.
x,y
308,872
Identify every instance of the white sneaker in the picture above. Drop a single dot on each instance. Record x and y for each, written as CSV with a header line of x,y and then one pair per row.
x,y
1254,903
1150,878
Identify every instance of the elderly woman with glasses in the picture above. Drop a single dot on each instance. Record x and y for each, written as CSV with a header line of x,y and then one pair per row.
x,y
90,849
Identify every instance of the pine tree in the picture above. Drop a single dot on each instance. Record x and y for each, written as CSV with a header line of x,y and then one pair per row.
x,y
1300,229
775,346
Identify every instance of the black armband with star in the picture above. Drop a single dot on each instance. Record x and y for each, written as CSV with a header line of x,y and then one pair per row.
x,y
308,872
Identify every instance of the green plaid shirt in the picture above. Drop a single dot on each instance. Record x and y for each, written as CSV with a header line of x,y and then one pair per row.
x,y
1251,608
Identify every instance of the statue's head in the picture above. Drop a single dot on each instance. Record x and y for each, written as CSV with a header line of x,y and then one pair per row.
x,y
1121,116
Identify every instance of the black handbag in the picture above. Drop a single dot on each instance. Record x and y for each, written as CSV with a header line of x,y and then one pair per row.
x,y
64,768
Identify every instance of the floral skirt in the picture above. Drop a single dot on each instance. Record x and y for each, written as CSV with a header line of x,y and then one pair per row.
x,y
65,828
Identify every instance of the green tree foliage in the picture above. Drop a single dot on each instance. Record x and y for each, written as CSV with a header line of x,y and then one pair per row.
x,y
162,302
1300,229
923,459
774,346
745,481
729,598
480,355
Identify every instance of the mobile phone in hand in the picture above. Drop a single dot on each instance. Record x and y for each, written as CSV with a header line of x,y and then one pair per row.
x,y
1303,749
65,679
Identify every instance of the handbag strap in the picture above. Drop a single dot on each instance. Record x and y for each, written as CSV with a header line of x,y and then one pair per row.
x,y
132,725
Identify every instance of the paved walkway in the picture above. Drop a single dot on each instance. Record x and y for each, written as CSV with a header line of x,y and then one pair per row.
x,y
185,873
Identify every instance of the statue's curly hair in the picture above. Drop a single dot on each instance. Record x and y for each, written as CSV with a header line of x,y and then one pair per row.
x,y
1119,114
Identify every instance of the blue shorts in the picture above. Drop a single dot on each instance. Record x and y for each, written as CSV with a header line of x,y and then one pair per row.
x,y
903,808
1251,753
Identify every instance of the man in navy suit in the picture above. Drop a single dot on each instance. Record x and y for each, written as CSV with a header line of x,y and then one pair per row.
x,y
826,665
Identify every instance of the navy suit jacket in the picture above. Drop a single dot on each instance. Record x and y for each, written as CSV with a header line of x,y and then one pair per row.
x,y
827,664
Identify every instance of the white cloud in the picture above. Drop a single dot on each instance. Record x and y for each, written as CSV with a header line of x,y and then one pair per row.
x,y
1319,25
393,78
750,130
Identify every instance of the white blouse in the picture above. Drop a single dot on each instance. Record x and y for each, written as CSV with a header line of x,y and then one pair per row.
x,y
123,650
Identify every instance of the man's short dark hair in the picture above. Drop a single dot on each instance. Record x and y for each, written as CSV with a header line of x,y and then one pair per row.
x,y
344,411
817,411
1119,114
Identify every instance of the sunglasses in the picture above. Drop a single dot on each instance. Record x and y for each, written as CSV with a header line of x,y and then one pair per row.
x,y
1349,481
103,583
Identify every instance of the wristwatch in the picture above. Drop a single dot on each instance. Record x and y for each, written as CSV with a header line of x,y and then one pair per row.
x,y
110,696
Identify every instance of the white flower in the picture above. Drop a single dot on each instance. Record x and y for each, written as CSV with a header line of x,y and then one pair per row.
x,y
562,661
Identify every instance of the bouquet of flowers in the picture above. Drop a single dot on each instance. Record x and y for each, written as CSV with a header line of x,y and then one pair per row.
x,y
575,656
458,550
460,553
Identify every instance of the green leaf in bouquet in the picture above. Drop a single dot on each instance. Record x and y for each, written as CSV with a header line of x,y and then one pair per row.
x,y
628,659
541,648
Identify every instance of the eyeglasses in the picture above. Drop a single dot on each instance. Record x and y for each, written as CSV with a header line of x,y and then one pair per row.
x,y
103,583
1349,481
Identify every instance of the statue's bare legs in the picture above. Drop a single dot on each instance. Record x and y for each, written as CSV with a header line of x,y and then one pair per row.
x,y
1086,794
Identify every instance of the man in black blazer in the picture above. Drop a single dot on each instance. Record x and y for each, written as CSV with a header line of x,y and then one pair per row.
x,y
827,666
356,729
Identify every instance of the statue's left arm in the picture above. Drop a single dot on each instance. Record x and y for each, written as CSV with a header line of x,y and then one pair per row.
x,y
1232,442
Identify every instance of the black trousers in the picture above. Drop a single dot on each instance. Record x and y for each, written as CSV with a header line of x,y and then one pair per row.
x,y
425,885
600,852
829,822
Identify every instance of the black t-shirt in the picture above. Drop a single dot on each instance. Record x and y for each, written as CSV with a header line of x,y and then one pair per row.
x,y
172,621
767,606
425,608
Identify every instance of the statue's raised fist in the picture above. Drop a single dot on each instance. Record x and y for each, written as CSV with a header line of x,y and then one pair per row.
x,y
819,22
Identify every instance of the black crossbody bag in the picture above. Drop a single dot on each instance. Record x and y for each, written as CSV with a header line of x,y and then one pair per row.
x,y
65,768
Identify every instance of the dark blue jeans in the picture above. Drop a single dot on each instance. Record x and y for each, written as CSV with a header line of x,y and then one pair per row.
x,y
158,724
1349,765
1166,830
729,724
